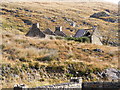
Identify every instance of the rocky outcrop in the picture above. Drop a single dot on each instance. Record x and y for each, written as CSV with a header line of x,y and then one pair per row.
x,y
103,15
99,14
111,74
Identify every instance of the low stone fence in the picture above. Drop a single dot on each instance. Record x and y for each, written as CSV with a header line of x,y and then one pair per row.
x,y
101,85
75,84
63,85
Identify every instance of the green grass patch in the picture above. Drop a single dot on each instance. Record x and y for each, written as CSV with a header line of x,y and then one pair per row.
x,y
80,39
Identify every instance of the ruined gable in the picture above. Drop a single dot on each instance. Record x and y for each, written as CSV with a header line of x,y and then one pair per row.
x,y
35,31
96,37
59,32
93,34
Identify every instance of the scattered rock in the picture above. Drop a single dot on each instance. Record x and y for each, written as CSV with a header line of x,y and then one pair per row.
x,y
11,11
114,43
48,18
86,23
66,19
68,28
27,22
85,50
98,50
20,8
107,10
17,16
28,10
111,74
53,20
38,12
22,60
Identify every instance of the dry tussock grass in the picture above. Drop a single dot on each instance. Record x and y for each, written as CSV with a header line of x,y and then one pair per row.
x,y
72,11
28,49
18,49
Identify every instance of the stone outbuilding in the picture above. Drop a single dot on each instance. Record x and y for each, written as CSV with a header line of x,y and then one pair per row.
x,y
59,32
93,34
35,31
49,32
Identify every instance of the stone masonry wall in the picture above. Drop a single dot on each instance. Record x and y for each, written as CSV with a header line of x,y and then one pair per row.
x,y
101,85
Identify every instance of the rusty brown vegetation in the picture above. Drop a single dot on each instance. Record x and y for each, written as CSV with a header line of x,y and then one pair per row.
x,y
36,61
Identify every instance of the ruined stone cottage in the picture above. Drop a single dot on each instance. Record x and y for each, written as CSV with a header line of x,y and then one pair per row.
x,y
93,34
49,32
59,32
35,31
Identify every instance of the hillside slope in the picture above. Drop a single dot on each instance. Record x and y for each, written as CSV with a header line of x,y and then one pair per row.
x,y
36,61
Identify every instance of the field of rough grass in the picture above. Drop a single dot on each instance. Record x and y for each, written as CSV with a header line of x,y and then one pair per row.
x,y
36,61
